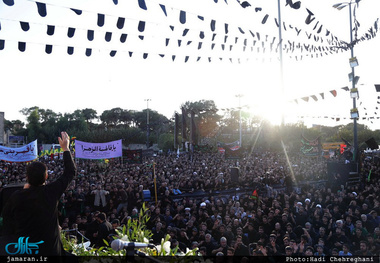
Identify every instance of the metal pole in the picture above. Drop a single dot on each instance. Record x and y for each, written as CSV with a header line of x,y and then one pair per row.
x,y
239,124
155,182
281,64
147,123
353,86
239,96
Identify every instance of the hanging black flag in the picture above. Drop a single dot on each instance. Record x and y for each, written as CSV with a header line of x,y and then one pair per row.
x,y
50,30
212,25
163,9
76,11
9,2
21,46
90,35
108,36
48,49
2,44
245,4
141,26
41,8
182,17
265,19
142,4
70,50
101,20
88,52
123,38
70,32
120,22
24,26
309,18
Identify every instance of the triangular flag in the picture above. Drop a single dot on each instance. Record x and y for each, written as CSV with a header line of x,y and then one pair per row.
x,y
254,195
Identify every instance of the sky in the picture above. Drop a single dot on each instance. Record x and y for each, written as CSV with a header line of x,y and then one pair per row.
x,y
160,62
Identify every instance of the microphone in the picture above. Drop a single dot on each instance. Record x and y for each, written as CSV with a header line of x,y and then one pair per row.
x,y
119,244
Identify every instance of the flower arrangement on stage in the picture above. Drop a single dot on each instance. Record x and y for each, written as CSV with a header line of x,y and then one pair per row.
x,y
134,231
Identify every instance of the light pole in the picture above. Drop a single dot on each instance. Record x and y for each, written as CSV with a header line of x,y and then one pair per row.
x,y
281,63
340,6
147,122
239,96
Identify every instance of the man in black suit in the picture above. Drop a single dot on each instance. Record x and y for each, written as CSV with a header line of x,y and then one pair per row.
x,y
32,212
104,230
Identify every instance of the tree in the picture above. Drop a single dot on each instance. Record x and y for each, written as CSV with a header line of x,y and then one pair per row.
x,y
206,117
89,114
111,118
16,127
33,126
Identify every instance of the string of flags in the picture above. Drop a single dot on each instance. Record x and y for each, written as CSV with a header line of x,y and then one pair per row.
x,y
368,116
245,40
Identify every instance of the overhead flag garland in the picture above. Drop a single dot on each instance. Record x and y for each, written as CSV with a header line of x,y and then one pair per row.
x,y
193,37
334,45
368,115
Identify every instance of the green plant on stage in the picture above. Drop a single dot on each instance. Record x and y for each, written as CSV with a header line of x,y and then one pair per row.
x,y
134,231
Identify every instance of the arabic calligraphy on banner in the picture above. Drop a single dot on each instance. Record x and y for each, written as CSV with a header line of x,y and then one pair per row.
x,y
25,153
88,150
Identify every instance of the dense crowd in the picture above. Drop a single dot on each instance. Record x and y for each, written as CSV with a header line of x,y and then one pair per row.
x,y
330,220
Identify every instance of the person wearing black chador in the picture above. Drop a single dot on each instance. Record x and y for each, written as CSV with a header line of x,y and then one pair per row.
x,y
31,213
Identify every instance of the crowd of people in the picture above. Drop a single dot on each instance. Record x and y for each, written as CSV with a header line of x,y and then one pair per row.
x,y
339,220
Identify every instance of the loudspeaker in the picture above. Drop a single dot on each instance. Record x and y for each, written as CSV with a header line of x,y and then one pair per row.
x,y
234,173
372,144
6,192
147,195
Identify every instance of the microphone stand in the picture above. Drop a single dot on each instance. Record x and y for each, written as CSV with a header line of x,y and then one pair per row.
x,y
143,255
131,252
